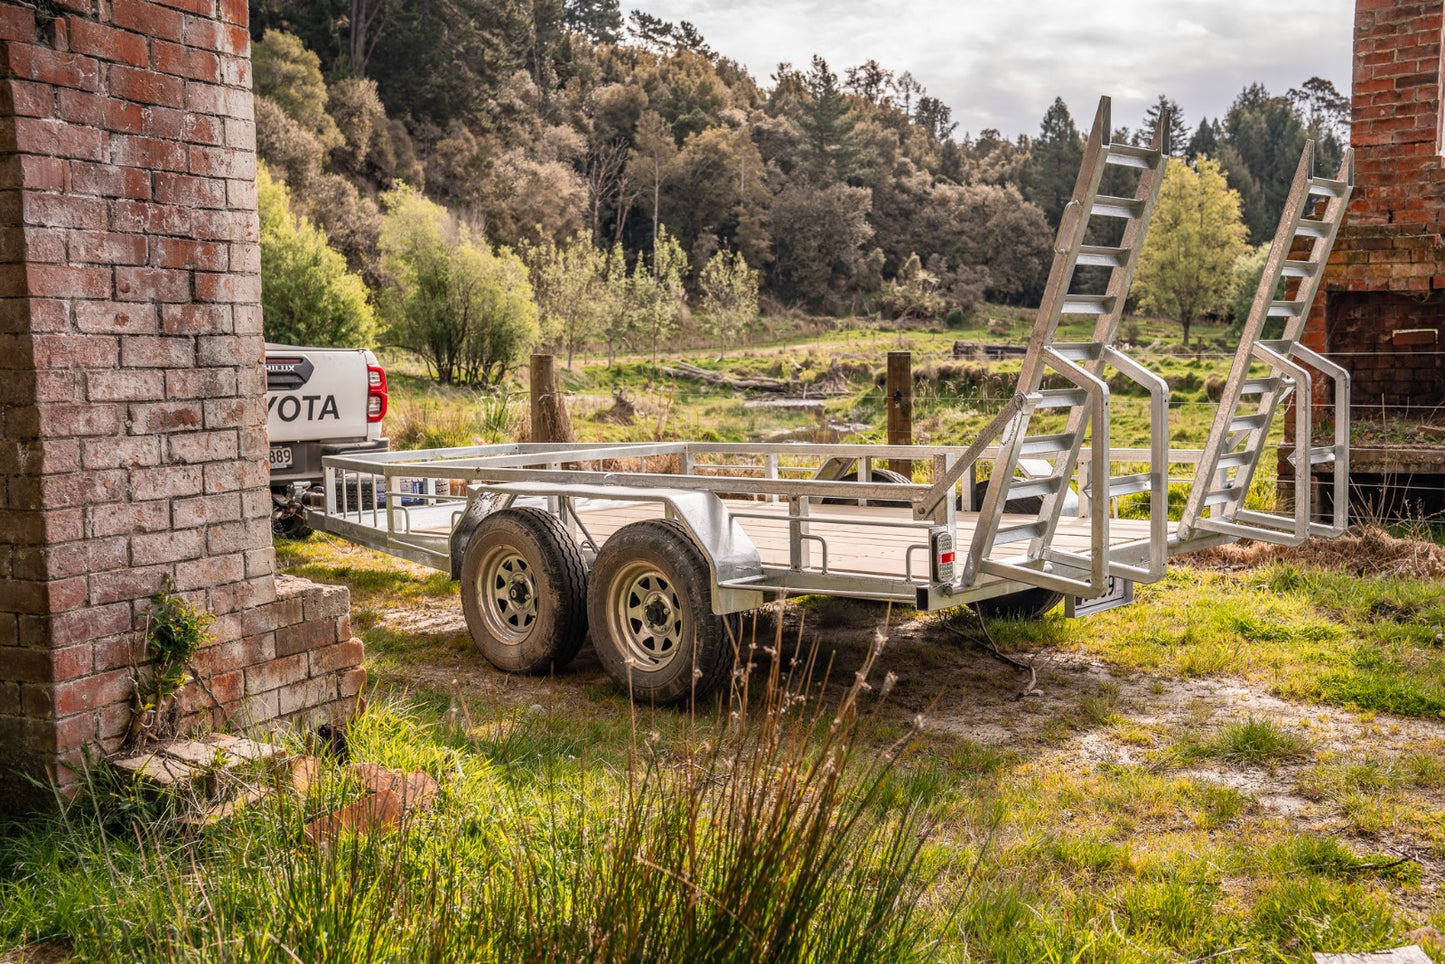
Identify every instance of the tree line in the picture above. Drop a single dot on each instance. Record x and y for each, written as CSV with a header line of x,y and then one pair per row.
x,y
480,176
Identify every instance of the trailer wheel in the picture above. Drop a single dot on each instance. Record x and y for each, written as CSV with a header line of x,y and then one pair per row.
x,y
524,591
1026,603
885,476
652,621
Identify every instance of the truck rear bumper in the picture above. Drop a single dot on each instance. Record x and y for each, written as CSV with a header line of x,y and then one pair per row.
x,y
299,463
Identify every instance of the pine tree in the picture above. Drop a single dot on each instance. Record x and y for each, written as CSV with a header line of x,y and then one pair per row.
x,y
1053,163
1263,139
1205,142
1177,135
830,145
599,20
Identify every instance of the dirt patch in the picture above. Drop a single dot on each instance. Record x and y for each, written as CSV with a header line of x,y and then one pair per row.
x,y
1373,552
432,617
46,952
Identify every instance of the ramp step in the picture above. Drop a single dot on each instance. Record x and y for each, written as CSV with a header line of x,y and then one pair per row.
x,y
1128,155
1030,488
1299,269
1081,351
1117,207
1061,398
1046,446
1087,304
1285,309
1250,423
1259,386
1307,228
1098,256
1235,460
1019,533
1325,187
1224,496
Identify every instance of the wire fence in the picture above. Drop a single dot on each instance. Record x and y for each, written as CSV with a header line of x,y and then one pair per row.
x,y
953,395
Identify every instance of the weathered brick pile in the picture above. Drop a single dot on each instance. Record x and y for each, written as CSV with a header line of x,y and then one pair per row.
x,y
132,412
1384,310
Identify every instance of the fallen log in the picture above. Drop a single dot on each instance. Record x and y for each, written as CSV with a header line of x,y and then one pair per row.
x,y
756,383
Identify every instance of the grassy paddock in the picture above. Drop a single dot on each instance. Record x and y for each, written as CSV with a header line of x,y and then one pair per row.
x,y
573,826
579,828
954,396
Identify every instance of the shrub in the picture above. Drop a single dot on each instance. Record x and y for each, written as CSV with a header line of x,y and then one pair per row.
x,y
464,309
307,295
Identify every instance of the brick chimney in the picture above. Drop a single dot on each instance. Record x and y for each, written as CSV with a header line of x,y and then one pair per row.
x,y
132,411
1383,310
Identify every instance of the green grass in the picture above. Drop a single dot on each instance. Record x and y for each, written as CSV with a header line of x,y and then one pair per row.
x,y
760,842
376,580
1366,642
1255,741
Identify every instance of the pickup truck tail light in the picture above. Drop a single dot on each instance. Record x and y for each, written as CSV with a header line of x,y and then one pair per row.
x,y
375,393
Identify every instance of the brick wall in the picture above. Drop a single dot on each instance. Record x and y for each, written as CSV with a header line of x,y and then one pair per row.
x,y
1387,272
132,412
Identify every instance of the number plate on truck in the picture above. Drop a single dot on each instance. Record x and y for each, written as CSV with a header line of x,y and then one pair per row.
x,y
282,457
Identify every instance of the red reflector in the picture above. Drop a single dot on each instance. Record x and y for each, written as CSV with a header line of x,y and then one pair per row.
x,y
945,558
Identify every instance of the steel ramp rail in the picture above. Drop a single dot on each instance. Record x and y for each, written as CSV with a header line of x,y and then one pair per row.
x,y
1084,404
1249,403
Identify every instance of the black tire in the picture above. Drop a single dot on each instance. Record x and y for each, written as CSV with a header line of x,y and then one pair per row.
x,y
1026,603
524,591
650,607
879,475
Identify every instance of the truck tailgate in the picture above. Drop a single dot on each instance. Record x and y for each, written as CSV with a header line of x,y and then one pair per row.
x,y
315,393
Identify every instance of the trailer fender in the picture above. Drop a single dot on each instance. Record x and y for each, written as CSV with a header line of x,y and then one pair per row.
x,y
481,504
730,554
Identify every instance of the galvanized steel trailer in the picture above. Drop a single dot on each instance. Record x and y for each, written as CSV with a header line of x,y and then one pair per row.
x,y
652,546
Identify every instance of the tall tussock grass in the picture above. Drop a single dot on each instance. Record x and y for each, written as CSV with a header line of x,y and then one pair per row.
x,y
436,419
755,836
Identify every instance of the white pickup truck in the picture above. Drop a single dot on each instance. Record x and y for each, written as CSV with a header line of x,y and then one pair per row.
x,y
319,401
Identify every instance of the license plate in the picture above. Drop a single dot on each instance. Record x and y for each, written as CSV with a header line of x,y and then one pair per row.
x,y
282,457
1120,592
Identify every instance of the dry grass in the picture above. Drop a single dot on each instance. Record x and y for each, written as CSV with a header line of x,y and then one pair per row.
x,y
1369,552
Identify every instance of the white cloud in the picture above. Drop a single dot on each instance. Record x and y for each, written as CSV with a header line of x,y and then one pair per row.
x,y
1000,64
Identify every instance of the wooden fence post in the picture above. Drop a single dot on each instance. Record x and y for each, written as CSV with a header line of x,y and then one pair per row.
x,y
549,421
900,407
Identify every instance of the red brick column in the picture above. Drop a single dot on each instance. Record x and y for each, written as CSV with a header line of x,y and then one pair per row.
x,y
1391,242
132,413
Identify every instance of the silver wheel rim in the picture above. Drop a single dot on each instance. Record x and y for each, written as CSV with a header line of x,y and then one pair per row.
x,y
646,616
507,595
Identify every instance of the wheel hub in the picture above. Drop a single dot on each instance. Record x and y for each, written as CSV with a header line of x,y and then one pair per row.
x,y
647,616
507,589
657,613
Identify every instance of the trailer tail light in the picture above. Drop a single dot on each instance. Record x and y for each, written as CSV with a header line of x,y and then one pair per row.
x,y
940,542
375,393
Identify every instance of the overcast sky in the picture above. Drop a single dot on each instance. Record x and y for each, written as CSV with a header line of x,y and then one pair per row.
x,y
1001,63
